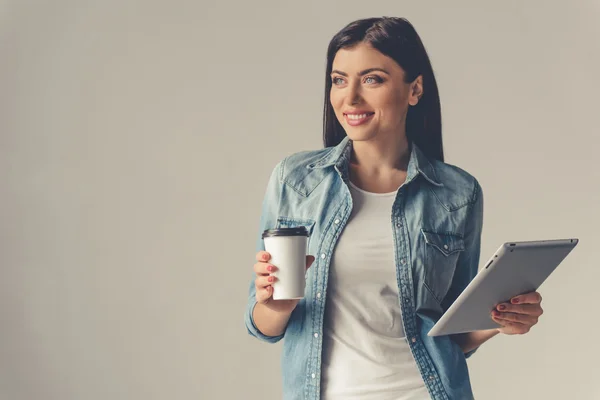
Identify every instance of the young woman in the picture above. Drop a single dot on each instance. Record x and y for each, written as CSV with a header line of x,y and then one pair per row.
x,y
395,230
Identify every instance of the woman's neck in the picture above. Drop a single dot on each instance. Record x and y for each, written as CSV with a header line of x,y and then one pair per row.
x,y
379,167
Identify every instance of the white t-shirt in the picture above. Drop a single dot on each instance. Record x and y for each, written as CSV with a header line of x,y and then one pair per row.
x,y
365,352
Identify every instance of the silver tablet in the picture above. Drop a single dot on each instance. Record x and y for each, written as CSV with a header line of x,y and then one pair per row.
x,y
516,268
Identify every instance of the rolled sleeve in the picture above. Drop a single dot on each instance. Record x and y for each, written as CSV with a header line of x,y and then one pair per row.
x,y
253,330
268,220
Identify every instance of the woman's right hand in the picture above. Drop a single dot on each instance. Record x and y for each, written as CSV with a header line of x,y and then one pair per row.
x,y
264,281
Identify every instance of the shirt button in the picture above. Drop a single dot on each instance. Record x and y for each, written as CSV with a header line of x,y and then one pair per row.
x,y
414,340
403,261
323,256
319,295
431,377
446,246
313,376
399,225
337,221
316,335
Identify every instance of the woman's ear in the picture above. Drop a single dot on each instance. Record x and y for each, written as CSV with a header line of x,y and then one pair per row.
x,y
416,91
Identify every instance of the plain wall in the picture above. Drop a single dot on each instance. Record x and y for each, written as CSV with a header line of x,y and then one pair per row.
x,y
136,140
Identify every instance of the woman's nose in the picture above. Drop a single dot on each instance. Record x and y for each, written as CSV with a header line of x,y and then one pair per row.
x,y
354,95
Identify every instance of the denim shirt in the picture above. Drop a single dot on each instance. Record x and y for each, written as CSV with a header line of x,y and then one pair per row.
x,y
437,219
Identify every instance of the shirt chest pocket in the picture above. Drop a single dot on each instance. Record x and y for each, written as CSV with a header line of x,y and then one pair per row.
x,y
287,222
440,256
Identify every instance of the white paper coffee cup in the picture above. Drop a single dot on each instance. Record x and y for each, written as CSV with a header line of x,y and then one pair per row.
x,y
287,247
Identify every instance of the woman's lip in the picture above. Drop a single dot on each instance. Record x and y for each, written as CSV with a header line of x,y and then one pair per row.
x,y
355,122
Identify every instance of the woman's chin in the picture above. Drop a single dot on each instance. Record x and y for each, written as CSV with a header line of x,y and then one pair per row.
x,y
356,135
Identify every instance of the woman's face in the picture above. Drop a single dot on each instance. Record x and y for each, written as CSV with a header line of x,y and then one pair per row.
x,y
365,81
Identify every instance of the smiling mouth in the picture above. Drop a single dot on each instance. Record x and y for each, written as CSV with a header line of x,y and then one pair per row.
x,y
358,116
358,119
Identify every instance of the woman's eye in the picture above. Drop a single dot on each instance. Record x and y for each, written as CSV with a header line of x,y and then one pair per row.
x,y
375,78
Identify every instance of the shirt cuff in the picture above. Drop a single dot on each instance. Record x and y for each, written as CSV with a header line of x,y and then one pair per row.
x,y
253,330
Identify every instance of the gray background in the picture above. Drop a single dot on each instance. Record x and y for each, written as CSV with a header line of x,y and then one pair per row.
x,y
136,142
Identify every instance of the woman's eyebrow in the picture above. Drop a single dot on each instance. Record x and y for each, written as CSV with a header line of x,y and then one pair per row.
x,y
361,73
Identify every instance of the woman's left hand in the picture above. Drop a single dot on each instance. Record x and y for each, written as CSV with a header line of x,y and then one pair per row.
x,y
518,316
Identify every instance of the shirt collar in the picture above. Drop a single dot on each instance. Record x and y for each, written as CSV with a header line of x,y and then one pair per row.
x,y
418,164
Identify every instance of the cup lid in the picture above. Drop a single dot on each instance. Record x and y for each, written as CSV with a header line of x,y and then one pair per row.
x,y
296,231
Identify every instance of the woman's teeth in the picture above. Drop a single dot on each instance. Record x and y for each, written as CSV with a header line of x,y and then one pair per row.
x,y
357,116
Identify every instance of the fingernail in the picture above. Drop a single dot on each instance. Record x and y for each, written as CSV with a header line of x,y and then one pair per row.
x,y
515,301
270,279
270,268
501,307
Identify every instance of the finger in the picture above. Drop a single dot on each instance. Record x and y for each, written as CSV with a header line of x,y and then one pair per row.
x,y
512,327
263,269
527,309
527,298
499,321
519,318
507,323
263,256
263,281
264,294
309,261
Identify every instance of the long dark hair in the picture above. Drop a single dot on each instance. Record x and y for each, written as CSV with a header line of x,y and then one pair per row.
x,y
397,39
